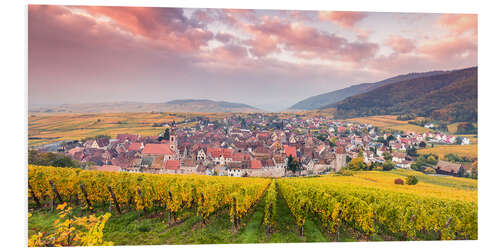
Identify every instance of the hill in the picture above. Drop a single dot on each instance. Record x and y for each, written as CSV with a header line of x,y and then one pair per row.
x,y
335,96
185,105
450,96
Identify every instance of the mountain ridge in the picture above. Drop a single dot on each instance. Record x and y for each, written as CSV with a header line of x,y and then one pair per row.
x,y
177,105
451,96
322,100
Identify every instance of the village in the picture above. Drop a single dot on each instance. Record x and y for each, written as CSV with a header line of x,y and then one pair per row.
x,y
258,145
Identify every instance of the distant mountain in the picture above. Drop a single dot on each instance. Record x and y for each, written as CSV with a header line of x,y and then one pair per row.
x,y
186,105
322,100
449,96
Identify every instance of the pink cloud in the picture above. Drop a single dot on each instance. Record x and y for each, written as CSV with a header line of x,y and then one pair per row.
x,y
224,37
305,41
105,53
400,44
299,15
346,19
451,48
459,23
229,53
167,25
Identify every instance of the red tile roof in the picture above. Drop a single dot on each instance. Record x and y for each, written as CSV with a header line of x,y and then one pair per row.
x,y
289,150
238,157
227,153
256,164
340,150
134,146
217,152
157,149
173,164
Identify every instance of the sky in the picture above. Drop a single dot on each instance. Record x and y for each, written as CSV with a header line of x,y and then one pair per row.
x,y
270,59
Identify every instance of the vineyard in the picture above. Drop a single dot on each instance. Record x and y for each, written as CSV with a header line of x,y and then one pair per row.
x,y
187,209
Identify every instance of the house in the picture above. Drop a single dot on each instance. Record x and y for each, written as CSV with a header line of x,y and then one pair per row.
x,y
101,143
404,164
155,156
220,156
201,155
172,167
159,150
465,141
135,146
448,168
127,137
235,169
188,166
398,157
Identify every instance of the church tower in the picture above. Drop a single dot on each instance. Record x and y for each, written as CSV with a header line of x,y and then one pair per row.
x,y
340,159
173,141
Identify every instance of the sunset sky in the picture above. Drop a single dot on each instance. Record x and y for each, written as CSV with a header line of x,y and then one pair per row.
x,y
270,59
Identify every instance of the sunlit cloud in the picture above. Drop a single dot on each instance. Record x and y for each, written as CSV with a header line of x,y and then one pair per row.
x,y
159,54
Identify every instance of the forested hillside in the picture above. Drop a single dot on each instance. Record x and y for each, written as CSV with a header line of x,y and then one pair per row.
x,y
450,96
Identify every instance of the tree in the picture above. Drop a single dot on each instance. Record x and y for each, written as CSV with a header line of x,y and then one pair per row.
x,y
474,171
387,156
390,138
412,151
461,172
165,136
357,164
422,144
333,141
360,153
322,137
388,165
432,159
51,159
411,180
292,164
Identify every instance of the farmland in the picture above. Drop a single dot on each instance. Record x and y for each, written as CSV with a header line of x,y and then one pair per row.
x,y
152,223
389,122
45,128
442,150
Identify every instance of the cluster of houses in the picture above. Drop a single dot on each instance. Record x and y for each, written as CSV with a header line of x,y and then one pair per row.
x,y
258,145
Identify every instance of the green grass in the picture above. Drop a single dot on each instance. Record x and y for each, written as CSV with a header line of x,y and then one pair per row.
x,y
446,181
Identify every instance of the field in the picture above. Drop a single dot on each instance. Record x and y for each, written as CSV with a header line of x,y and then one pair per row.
x,y
461,150
389,122
45,128
452,128
186,209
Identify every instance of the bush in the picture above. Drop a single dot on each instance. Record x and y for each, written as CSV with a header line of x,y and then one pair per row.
x,y
430,170
69,230
388,165
345,172
411,180
51,159
399,181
